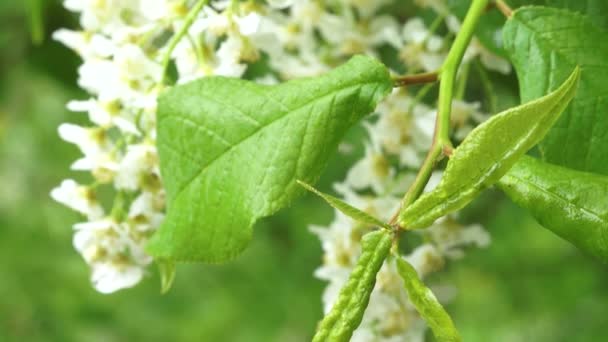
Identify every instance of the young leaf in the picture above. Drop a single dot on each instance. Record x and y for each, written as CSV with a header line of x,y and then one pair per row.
x,y
487,153
347,312
231,150
345,208
427,304
572,204
544,45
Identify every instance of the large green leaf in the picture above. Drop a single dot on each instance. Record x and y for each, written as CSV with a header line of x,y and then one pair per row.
x,y
545,44
572,204
426,303
489,29
487,153
346,314
231,151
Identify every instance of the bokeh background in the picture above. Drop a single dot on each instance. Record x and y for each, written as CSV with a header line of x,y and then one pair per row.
x,y
529,285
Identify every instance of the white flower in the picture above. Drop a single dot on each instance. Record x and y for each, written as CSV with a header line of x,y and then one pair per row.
x,y
105,114
106,16
78,197
87,45
139,161
102,77
451,237
108,278
228,58
475,49
147,211
425,259
89,140
373,171
422,49
116,260
280,4
97,150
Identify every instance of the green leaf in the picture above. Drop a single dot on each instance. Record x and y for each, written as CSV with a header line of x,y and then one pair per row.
x,y
427,304
572,204
231,151
347,312
487,153
595,9
345,208
489,29
545,44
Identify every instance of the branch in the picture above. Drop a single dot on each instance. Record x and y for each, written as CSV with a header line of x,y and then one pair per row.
x,y
429,77
442,146
504,8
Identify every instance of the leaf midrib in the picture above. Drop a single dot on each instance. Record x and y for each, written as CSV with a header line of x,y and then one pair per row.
x,y
588,212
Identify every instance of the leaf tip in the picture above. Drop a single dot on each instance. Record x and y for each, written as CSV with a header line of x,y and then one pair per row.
x,y
166,269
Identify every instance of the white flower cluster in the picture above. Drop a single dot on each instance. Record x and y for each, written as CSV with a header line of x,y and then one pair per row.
x,y
123,44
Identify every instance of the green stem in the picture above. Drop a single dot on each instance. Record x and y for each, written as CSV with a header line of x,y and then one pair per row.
x,y
419,96
434,26
441,140
35,11
450,68
487,87
463,77
192,14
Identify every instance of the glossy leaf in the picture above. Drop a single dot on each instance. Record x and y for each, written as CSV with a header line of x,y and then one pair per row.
x,y
487,153
345,208
572,204
231,151
347,312
427,304
545,44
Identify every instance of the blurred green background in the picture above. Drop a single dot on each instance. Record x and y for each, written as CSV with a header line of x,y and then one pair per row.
x,y
528,286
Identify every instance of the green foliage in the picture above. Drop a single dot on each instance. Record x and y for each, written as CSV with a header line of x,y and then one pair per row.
x,y
427,304
487,153
347,312
231,151
345,208
545,44
595,9
570,203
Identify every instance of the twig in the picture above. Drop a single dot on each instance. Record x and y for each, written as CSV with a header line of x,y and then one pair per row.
x,y
442,146
429,77
504,8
